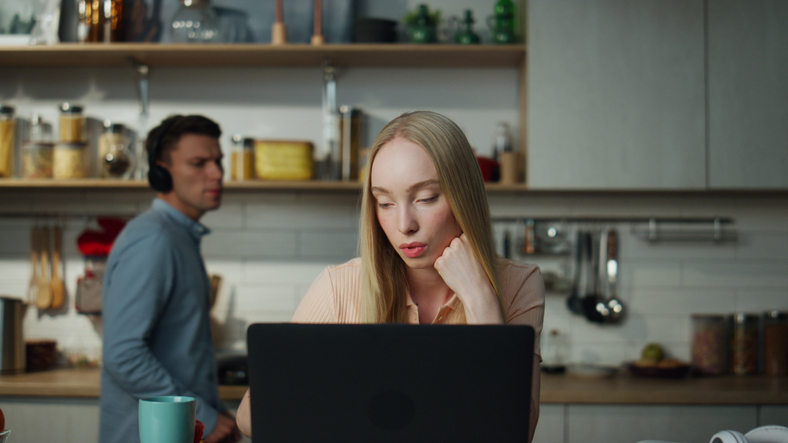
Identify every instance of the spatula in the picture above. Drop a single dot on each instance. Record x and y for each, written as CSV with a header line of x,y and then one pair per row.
x,y
32,288
44,297
58,289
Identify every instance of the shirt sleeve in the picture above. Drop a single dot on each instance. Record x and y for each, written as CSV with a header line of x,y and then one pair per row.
x,y
527,308
319,303
137,285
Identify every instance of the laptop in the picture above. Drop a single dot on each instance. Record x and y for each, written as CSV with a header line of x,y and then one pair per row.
x,y
390,382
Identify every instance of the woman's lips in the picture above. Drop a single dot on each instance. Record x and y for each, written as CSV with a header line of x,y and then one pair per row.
x,y
413,250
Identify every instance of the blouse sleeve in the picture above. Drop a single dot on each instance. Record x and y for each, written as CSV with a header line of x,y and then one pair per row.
x,y
527,308
318,305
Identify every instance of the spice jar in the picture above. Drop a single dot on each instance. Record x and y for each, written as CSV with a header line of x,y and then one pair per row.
x,y
72,123
115,157
242,158
69,160
709,344
7,140
775,343
744,344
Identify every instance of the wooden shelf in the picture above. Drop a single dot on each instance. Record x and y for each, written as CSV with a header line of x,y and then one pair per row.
x,y
88,184
265,55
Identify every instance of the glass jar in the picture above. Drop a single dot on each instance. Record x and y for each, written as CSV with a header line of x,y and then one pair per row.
x,y
710,344
775,343
72,123
115,157
7,140
744,344
242,158
37,150
69,160
194,22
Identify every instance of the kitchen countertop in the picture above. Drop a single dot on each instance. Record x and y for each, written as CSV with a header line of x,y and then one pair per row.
x,y
556,389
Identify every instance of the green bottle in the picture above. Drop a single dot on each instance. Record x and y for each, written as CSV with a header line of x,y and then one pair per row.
x,y
466,36
502,23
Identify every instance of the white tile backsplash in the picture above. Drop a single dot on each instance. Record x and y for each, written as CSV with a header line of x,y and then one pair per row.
x,y
269,247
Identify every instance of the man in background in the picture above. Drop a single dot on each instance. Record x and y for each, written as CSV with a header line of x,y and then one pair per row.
x,y
156,292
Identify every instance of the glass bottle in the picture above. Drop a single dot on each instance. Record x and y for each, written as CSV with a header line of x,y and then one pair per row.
x,y
502,22
7,140
194,22
744,344
464,33
115,157
710,344
775,343
37,150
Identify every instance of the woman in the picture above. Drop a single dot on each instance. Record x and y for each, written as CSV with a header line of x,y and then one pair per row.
x,y
427,253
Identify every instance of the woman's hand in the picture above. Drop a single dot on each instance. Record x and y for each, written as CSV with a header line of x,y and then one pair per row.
x,y
243,417
464,275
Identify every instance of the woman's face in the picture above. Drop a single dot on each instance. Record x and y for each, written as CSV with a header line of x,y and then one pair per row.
x,y
411,207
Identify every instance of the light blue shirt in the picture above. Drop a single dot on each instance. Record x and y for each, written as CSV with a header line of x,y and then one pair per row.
x,y
156,321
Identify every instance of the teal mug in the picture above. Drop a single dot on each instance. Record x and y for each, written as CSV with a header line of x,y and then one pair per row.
x,y
167,419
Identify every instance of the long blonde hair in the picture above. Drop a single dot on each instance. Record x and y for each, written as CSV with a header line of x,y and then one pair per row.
x,y
384,276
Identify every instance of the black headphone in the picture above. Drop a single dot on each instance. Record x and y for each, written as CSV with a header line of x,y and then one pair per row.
x,y
159,177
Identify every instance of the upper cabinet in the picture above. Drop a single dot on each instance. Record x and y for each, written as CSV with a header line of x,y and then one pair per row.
x,y
616,95
748,94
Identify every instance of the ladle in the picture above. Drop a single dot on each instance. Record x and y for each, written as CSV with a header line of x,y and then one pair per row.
x,y
611,309
574,302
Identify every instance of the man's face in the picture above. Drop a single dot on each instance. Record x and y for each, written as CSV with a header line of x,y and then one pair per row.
x,y
196,168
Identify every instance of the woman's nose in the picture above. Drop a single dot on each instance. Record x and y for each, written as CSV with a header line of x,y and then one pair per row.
x,y
407,221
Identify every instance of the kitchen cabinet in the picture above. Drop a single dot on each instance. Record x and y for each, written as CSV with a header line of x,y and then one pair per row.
x,y
616,95
748,94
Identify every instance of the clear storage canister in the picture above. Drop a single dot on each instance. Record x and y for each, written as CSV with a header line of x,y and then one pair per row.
x,y
775,343
72,123
744,344
242,158
710,344
37,150
116,160
70,160
7,140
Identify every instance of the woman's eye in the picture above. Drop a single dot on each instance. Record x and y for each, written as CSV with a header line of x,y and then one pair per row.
x,y
384,205
428,199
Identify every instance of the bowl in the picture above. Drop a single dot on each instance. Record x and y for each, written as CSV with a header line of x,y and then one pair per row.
x,y
679,371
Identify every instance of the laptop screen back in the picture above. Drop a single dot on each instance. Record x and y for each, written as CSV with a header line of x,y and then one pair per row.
x,y
364,383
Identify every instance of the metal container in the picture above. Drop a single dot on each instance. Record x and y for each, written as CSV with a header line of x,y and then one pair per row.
x,y
12,342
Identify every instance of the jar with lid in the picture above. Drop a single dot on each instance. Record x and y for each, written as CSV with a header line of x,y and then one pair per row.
x,y
7,140
744,344
242,158
115,157
37,150
710,344
195,22
69,160
72,123
775,343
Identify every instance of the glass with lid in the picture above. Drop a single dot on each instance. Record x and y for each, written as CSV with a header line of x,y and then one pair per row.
x,y
710,344
72,123
7,140
37,150
242,158
744,344
115,157
775,343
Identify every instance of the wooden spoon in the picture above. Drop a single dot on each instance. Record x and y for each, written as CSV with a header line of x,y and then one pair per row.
x,y
58,289
279,29
317,37
32,288
44,297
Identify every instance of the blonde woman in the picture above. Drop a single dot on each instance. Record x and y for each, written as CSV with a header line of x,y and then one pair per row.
x,y
427,253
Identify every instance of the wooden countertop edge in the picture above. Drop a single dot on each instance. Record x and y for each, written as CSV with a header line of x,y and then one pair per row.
x,y
85,383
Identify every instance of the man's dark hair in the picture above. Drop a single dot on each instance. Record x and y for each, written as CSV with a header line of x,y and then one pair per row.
x,y
176,126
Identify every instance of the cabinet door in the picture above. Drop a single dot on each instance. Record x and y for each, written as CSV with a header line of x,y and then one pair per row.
x,y
632,423
748,94
616,95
